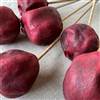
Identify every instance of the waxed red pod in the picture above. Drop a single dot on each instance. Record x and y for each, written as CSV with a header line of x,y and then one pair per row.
x,y
18,71
77,39
82,79
9,25
42,25
26,5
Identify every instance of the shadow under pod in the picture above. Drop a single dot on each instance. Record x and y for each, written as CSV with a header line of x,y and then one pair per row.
x,y
21,38
45,78
48,77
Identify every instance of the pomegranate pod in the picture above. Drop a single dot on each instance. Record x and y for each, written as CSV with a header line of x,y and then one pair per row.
x,y
9,25
25,5
82,80
78,39
18,71
42,25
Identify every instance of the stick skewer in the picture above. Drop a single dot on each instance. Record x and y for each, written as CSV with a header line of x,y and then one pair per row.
x,y
91,16
92,12
55,2
68,3
83,14
77,10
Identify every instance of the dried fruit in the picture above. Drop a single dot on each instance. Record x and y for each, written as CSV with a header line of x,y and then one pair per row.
x,y
78,39
42,25
9,25
82,80
18,71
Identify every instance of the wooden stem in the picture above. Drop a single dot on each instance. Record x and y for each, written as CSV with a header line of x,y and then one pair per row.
x,y
48,48
68,3
92,12
53,2
91,16
83,14
77,10
52,45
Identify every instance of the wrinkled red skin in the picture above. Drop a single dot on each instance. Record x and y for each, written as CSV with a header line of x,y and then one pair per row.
x,y
26,5
9,25
82,80
42,25
18,71
78,39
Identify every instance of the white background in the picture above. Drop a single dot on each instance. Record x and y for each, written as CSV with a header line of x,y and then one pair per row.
x,y
53,66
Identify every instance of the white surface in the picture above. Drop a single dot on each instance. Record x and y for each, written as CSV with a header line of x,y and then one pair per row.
x,y
53,66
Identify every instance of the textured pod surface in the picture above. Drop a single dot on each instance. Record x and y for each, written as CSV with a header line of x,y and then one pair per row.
x,y
18,71
42,25
82,80
9,25
78,39
25,5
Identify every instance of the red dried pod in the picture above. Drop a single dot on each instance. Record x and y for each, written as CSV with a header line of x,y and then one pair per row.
x,y
82,80
78,39
26,5
9,25
42,25
18,71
